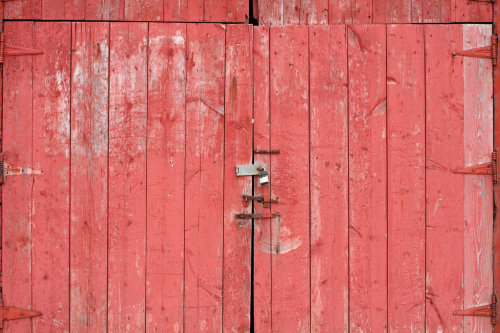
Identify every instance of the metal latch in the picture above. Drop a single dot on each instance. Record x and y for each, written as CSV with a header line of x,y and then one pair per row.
x,y
489,310
8,170
489,168
488,52
11,313
250,169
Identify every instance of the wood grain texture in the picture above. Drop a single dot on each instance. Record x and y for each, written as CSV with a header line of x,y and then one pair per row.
x,y
329,179
144,10
445,190
472,11
262,140
237,150
104,10
478,190
289,72
51,191
127,176
313,12
183,10
63,9
23,9
392,11
165,177
204,178
17,204
436,11
406,178
89,176
367,178
226,11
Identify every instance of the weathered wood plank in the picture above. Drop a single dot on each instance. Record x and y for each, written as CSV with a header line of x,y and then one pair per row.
x,y
204,178
183,10
144,10
237,150
104,9
63,9
262,140
165,177
350,11
406,178
445,190
89,176
313,12
289,73
436,11
392,11
23,10
329,179
127,177
17,205
226,11
51,153
367,178
472,11
478,190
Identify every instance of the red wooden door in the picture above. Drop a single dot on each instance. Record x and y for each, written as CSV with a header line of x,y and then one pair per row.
x,y
138,127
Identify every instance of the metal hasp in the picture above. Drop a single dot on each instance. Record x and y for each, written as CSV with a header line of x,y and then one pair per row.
x,y
259,199
8,170
489,168
250,169
488,52
257,216
11,313
489,310
14,50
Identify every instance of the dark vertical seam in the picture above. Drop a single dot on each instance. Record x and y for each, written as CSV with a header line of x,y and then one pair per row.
x,y
386,179
69,170
425,175
346,37
252,249
107,185
146,213
32,161
186,45
223,167
269,127
309,164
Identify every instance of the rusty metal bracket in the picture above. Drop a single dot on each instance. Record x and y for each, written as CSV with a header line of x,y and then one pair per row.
x,y
8,170
489,168
14,50
488,52
260,199
487,1
257,216
261,151
489,310
12,313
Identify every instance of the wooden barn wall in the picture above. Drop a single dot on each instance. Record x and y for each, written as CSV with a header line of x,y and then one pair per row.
x,y
137,128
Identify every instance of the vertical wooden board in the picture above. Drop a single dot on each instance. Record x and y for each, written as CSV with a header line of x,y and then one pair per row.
x,y
226,11
204,178
406,178
437,11
417,9
262,141
367,178
351,11
478,202
472,11
183,10
51,153
63,9
392,11
127,176
165,177
144,10
237,150
23,10
329,179
104,9
314,12
444,190
89,176
16,192
279,12
290,178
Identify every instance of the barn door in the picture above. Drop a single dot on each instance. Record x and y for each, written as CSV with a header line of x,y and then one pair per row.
x,y
375,231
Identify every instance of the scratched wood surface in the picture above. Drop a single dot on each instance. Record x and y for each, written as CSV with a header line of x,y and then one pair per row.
x,y
328,173
16,192
445,190
289,75
406,178
127,176
367,178
478,190
262,141
165,176
237,150
51,154
89,174
236,11
204,178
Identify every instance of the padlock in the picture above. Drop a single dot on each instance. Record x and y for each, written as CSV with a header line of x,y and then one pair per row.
x,y
263,177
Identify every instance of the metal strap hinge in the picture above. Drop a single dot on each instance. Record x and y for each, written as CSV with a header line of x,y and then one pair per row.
x,y
11,313
14,50
489,168
257,216
488,52
8,170
489,310
487,1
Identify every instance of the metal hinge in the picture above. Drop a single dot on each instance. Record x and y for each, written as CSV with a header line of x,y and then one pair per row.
x,y
489,168
488,52
14,50
8,170
489,310
257,216
260,199
265,151
487,1
11,313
